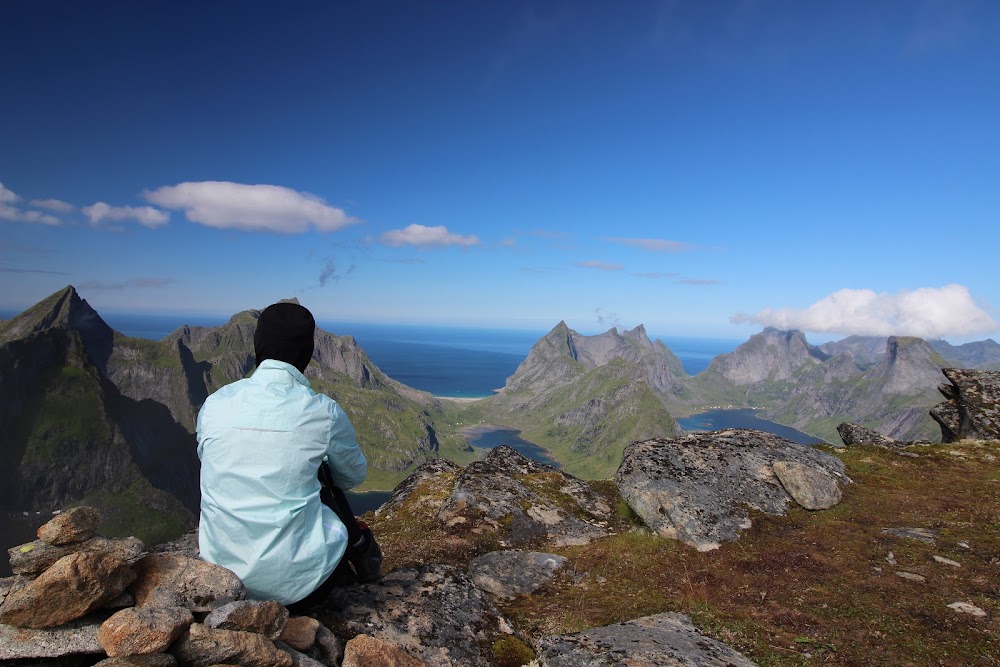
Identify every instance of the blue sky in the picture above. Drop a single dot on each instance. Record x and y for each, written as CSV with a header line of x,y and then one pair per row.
x,y
704,168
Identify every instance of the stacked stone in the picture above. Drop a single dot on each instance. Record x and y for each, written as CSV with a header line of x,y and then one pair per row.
x,y
171,609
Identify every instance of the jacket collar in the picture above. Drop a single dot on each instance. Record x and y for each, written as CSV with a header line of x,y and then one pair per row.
x,y
274,367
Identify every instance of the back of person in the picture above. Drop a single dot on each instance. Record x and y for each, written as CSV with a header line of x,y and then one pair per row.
x,y
261,441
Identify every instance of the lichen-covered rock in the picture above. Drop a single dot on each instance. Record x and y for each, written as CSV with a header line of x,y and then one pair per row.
x,y
698,488
35,557
858,435
434,612
365,651
170,580
433,469
265,618
507,574
75,638
666,639
75,585
135,631
810,486
73,525
201,646
525,501
972,410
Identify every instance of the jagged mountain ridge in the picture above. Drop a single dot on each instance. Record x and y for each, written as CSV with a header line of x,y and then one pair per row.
x,y
551,359
815,388
119,411
70,435
981,355
586,397
812,388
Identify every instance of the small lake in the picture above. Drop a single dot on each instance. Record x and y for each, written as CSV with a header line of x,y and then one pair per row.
x,y
716,420
488,437
366,501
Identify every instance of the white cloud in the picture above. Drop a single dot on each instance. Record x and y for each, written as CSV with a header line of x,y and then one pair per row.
x,y
144,215
929,312
602,266
426,237
272,208
57,205
15,214
7,196
654,245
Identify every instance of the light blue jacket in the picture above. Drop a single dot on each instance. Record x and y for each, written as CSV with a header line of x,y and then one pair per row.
x,y
261,441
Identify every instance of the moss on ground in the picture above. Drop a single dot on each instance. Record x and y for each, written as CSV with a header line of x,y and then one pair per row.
x,y
804,588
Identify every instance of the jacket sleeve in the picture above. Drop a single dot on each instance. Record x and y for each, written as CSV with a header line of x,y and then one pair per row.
x,y
347,461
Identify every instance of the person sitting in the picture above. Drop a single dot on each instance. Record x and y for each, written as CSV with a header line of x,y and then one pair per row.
x,y
275,459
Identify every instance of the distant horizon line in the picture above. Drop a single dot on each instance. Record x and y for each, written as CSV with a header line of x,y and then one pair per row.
x,y
6,312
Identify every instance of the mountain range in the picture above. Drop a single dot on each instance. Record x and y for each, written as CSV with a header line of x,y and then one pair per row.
x,y
91,414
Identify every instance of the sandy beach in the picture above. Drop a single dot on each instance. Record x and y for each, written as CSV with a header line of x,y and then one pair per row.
x,y
459,399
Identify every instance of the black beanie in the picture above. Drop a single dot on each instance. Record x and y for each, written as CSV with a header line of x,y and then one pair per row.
x,y
285,333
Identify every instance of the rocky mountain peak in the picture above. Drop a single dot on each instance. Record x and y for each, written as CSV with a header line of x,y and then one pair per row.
x,y
908,366
64,309
772,354
639,335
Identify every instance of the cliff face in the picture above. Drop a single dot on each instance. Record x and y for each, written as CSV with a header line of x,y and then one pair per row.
x,y
70,435
805,387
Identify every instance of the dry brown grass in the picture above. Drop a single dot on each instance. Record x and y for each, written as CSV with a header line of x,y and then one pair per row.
x,y
805,588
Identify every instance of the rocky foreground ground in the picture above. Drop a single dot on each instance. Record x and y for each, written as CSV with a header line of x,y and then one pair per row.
x,y
728,548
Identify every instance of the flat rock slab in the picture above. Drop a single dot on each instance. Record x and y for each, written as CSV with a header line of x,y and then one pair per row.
x,y
507,574
925,535
433,612
663,640
699,488
79,637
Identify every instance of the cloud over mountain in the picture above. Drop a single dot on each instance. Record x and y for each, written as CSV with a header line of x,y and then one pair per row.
x,y
929,312
227,205
426,237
